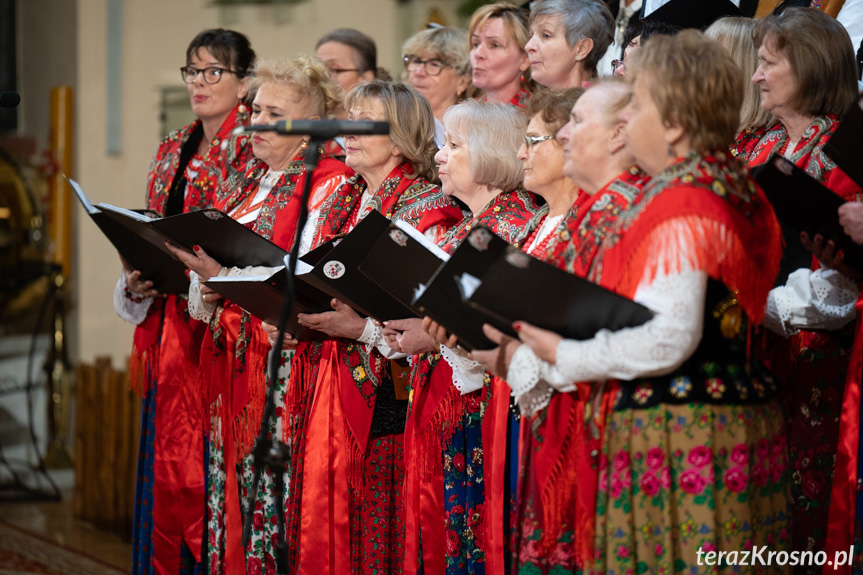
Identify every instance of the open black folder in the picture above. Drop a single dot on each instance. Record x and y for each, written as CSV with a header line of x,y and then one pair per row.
x,y
224,239
844,146
492,282
338,273
803,204
329,271
264,296
401,262
155,264
442,299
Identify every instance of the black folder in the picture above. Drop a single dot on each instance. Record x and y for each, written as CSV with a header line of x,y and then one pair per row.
x,y
338,273
514,286
399,264
442,298
224,239
520,287
698,14
155,264
264,297
805,205
844,146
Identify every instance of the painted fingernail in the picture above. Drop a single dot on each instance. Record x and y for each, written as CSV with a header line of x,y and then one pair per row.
x,y
196,248
517,326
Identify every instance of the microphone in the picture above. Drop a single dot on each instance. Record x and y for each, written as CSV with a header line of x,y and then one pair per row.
x,y
9,99
321,129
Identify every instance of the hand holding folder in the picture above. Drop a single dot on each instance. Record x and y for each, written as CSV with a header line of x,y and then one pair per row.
x,y
803,204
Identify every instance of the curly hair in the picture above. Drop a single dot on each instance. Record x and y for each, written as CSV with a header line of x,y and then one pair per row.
x,y
308,76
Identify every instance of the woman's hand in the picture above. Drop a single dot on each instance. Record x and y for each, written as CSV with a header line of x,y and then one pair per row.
x,y
408,336
273,334
438,333
496,361
208,295
851,220
134,283
543,342
341,322
198,261
828,254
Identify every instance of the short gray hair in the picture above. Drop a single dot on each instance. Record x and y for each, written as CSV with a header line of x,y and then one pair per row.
x,y
494,132
581,19
448,44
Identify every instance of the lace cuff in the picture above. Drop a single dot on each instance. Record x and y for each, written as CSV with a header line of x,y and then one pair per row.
x,y
467,374
132,308
524,378
373,337
820,299
198,308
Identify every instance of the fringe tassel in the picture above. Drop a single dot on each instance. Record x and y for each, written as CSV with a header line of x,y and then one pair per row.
x,y
247,424
699,242
142,366
557,496
433,439
356,460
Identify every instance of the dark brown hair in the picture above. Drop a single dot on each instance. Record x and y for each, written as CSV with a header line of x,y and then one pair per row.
x,y
821,57
227,46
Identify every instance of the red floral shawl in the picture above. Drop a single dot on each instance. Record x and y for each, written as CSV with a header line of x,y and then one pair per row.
x,y
238,349
730,231
352,373
809,155
561,438
165,350
436,403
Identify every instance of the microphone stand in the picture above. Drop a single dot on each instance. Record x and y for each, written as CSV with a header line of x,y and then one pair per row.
x,y
267,451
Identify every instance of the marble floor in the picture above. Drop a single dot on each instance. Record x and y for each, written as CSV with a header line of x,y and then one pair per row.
x,y
53,520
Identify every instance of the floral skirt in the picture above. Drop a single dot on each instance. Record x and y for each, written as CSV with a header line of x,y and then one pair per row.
x,y
260,553
679,481
377,514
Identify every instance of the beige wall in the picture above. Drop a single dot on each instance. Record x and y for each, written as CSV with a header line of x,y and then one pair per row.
x,y
155,35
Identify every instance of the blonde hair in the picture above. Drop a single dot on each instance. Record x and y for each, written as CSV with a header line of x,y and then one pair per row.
x,y
514,20
493,132
695,84
307,76
449,44
412,127
735,35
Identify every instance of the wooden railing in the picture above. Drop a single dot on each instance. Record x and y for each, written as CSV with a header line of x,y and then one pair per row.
x,y
107,429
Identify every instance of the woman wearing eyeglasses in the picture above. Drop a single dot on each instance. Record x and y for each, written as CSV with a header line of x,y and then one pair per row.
x,y
185,174
437,64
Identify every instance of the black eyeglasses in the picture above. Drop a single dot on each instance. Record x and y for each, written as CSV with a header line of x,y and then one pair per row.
x,y
212,75
615,64
531,141
432,67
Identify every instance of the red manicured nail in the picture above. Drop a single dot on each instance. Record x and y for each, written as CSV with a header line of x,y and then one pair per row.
x,y
517,326
196,248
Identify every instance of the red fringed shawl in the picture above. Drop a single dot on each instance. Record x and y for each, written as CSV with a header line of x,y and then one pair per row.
x,y
436,404
340,377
